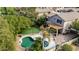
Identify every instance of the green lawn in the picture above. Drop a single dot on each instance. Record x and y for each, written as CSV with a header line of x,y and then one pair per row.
x,y
31,30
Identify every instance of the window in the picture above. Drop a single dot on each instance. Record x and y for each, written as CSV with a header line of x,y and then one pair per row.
x,y
59,21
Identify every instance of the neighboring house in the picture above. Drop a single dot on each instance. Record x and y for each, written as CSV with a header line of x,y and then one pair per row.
x,y
68,9
47,10
63,20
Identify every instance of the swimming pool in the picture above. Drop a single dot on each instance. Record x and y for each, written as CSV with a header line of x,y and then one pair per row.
x,y
48,44
27,42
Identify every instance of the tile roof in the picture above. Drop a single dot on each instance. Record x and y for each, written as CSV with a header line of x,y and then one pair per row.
x,y
66,16
69,16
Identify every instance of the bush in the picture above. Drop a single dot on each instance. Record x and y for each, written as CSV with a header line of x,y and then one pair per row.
x,y
45,34
40,21
75,24
51,30
76,42
37,46
67,47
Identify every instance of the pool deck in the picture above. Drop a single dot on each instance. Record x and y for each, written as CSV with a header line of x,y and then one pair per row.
x,y
18,47
60,38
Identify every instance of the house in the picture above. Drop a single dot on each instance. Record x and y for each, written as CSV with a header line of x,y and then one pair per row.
x,y
62,21
47,10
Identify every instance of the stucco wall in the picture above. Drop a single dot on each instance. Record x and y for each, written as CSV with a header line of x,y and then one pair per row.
x,y
66,26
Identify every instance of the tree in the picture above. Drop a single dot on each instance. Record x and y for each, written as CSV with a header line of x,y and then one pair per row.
x,y
18,23
75,24
52,30
3,10
28,12
76,42
67,47
22,11
41,21
14,21
37,46
6,37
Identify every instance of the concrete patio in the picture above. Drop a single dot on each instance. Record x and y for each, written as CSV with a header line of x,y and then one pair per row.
x,y
60,38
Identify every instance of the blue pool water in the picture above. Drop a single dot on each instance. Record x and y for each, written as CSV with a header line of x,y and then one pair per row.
x,y
27,42
46,43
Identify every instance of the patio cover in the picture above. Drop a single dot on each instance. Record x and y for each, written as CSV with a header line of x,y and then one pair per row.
x,y
55,26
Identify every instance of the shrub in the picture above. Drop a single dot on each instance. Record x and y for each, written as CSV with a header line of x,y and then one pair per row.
x,y
76,42
37,46
51,30
40,21
67,47
45,34
75,24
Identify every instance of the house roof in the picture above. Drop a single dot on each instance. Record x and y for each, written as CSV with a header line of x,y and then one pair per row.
x,y
69,16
